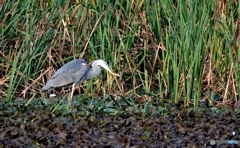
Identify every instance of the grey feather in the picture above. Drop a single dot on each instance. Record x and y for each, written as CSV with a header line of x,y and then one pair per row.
x,y
72,72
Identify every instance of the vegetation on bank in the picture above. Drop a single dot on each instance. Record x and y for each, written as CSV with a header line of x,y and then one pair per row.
x,y
185,51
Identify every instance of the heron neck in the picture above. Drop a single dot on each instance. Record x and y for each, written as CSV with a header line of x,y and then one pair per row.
x,y
93,72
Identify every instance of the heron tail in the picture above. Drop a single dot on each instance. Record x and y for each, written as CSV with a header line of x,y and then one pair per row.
x,y
47,87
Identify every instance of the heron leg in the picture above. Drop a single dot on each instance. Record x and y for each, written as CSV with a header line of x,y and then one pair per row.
x,y
72,90
70,99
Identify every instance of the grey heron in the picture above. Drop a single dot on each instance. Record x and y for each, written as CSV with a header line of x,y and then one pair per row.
x,y
74,73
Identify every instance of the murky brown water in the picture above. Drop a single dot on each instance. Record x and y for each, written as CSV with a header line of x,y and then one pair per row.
x,y
35,125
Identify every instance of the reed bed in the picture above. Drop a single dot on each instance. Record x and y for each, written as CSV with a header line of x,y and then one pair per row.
x,y
184,51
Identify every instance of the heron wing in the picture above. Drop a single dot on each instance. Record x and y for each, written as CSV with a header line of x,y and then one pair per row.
x,y
70,73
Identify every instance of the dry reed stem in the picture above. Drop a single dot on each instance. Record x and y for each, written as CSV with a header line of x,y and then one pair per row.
x,y
94,28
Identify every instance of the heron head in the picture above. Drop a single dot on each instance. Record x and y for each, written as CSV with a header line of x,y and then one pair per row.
x,y
104,65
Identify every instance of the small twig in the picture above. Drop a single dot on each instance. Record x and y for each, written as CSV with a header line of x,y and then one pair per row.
x,y
226,90
66,31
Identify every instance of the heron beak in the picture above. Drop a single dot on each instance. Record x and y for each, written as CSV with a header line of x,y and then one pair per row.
x,y
109,70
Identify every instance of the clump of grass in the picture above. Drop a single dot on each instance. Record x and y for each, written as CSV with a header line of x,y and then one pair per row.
x,y
185,50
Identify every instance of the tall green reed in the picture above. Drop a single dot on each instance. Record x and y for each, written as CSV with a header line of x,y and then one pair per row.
x,y
188,28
